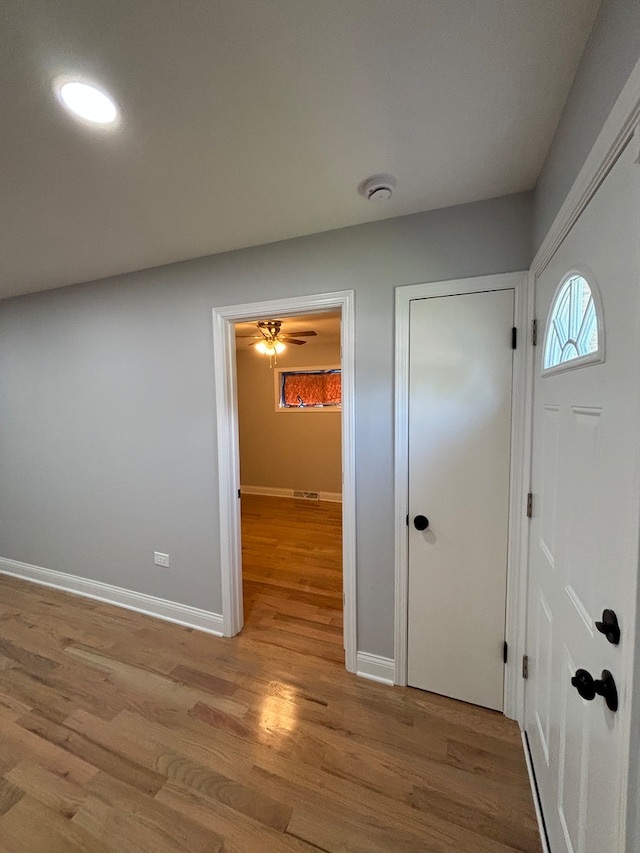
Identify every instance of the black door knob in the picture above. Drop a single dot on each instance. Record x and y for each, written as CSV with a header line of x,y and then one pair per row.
x,y
609,626
421,522
589,688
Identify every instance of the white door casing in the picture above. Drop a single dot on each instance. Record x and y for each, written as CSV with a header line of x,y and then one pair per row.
x,y
461,366
584,532
228,449
516,579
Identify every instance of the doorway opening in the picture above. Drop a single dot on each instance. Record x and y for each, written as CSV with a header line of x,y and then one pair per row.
x,y
229,471
288,380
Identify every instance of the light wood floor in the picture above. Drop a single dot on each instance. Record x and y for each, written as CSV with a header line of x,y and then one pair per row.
x,y
292,574
125,734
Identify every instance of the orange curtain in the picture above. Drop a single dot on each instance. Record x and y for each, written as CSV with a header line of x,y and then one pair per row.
x,y
314,389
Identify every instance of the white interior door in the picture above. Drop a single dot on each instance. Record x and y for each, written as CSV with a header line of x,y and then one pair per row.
x,y
460,383
584,529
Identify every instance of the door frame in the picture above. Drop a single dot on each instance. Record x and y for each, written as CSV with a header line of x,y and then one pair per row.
x,y
224,360
520,408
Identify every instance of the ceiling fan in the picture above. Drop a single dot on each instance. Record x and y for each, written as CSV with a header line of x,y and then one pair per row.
x,y
272,340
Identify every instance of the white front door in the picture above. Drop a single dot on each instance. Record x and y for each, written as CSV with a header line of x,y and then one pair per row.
x,y
584,529
460,378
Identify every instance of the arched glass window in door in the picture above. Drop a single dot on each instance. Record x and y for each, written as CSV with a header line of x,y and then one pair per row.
x,y
574,334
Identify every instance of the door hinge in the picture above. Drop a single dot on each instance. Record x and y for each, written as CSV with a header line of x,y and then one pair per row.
x,y
514,338
525,666
529,505
534,333
505,652
407,520
238,492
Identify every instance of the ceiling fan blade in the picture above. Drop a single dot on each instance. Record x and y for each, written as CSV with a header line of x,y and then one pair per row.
x,y
294,341
309,333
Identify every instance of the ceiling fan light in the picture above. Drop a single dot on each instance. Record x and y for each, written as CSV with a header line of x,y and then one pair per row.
x,y
270,347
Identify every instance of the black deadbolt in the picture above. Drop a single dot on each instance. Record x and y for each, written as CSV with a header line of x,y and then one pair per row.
x,y
589,688
421,522
609,626
584,684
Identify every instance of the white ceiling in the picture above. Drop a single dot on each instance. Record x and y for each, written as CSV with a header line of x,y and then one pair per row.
x,y
250,121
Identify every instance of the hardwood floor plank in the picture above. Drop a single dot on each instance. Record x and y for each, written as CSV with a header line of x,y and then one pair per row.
x,y
297,642
213,684
292,574
173,765
240,836
124,734
137,824
296,778
481,762
21,657
119,766
158,688
60,690
10,794
31,826
53,790
18,745
343,820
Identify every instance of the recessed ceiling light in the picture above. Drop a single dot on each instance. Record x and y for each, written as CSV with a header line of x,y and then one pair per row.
x,y
87,101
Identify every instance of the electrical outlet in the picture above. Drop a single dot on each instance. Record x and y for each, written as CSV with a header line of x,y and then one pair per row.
x,y
161,559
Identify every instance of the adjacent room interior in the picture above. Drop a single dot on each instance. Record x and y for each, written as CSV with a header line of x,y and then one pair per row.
x,y
291,476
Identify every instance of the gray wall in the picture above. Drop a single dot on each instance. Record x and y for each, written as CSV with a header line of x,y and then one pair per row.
x,y
107,413
609,58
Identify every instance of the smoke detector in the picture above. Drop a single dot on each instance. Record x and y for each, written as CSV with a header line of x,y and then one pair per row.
x,y
378,187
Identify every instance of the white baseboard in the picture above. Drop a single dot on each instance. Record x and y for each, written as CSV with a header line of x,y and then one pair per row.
x,y
274,492
375,668
534,794
170,611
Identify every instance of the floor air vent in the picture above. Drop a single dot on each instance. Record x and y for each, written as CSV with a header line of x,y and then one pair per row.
x,y
308,496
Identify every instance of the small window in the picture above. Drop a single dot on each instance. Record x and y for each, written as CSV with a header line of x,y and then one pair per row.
x,y
309,389
574,335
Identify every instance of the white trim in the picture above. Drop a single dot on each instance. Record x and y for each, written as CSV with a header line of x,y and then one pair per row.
x,y
228,450
615,134
307,409
514,627
224,366
375,668
150,605
534,794
275,492
516,622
